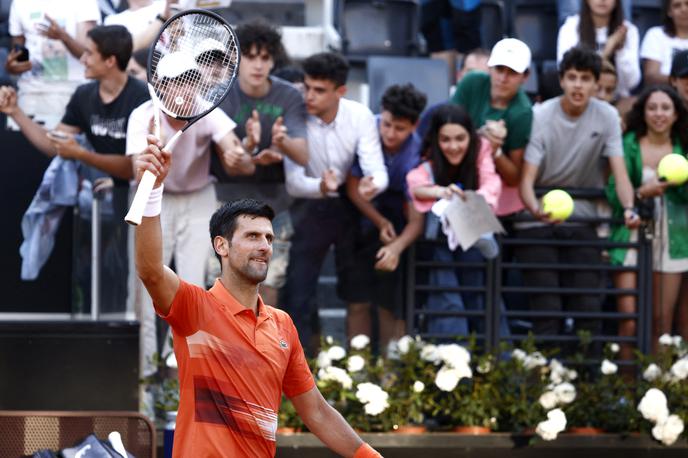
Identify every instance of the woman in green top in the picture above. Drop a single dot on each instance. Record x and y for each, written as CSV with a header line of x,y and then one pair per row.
x,y
657,125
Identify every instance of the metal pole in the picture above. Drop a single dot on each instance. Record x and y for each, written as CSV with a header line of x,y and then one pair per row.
x,y
95,256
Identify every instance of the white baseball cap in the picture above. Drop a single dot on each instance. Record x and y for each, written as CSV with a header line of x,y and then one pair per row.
x,y
174,64
511,53
209,45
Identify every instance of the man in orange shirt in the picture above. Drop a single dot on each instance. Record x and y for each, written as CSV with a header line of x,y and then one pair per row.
x,y
236,355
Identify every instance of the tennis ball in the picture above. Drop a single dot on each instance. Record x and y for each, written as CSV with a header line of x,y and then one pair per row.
x,y
673,168
558,204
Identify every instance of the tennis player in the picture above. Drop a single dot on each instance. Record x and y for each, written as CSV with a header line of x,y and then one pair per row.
x,y
236,355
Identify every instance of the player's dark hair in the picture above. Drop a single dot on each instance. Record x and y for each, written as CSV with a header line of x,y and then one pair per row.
x,y
635,119
444,173
327,66
262,35
404,101
113,40
581,59
224,221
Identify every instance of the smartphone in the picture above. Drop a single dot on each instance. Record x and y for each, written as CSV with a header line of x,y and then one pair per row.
x,y
24,56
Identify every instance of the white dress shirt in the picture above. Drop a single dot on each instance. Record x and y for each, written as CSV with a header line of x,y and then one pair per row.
x,y
353,132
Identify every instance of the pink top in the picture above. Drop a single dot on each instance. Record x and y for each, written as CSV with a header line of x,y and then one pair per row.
x,y
509,201
490,185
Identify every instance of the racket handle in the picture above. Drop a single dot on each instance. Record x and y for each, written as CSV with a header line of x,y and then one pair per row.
x,y
173,140
138,205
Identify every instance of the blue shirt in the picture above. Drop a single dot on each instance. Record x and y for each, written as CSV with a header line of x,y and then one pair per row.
x,y
390,203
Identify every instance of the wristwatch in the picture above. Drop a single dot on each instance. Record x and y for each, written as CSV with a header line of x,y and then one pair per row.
x,y
161,18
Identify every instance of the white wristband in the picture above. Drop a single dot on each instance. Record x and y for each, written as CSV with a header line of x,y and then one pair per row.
x,y
154,205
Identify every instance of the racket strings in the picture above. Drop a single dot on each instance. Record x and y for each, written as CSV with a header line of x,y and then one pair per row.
x,y
196,57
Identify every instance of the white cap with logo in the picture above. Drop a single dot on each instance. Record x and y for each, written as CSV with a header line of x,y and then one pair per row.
x,y
511,53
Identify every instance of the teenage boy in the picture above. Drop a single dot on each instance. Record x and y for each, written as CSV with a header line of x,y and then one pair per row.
x,y
271,121
497,102
388,225
339,130
575,136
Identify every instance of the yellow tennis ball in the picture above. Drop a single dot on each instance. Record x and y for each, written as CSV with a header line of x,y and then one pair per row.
x,y
673,168
558,204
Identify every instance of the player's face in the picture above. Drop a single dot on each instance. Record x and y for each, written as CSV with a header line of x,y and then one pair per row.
x,y
453,140
394,131
251,248
255,67
660,113
505,82
606,86
93,62
322,96
578,87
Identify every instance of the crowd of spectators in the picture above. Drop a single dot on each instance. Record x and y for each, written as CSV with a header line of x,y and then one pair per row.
x,y
340,176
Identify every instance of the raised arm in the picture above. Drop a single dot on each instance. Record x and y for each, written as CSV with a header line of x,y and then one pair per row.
x,y
160,281
329,426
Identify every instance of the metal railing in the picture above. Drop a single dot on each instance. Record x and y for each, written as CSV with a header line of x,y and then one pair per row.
x,y
496,290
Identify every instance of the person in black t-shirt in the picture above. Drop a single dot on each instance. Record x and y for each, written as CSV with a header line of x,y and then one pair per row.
x,y
99,110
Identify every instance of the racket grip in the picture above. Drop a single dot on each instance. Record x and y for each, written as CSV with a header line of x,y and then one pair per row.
x,y
138,205
173,140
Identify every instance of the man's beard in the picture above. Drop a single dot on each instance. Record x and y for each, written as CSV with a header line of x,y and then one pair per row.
x,y
255,273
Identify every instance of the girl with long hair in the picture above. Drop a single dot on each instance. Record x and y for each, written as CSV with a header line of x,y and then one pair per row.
x,y
660,43
657,125
456,159
601,26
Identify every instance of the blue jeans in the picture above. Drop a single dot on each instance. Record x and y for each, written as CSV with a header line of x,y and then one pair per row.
x,y
566,8
458,301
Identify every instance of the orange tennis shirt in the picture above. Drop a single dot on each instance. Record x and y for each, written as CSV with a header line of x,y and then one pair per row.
x,y
233,368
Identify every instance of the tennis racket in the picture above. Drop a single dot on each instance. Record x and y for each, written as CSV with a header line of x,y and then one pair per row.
x,y
191,68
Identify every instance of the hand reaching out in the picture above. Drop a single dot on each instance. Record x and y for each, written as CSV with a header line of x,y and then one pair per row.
x,y
329,182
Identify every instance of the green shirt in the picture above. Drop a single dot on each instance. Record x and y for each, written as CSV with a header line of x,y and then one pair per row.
x,y
473,93
676,202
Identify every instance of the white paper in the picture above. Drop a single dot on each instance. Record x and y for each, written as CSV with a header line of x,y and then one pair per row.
x,y
470,218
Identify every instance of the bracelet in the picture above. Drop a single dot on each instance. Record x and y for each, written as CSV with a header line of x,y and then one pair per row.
x,y
154,205
497,153
160,18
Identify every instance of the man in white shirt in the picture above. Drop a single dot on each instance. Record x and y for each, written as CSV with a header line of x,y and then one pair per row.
x,y
54,32
338,130
189,197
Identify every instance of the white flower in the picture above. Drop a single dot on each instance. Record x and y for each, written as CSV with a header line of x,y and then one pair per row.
x,y
565,393
374,398
448,377
548,400
323,360
484,367
360,341
534,360
676,341
653,406
171,361
652,372
393,350
558,373
336,374
355,363
550,428
418,386
665,339
404,344
680,369
608,367
336,353
430,353
454,355
329,340
668,430
518,354
614,347
572,374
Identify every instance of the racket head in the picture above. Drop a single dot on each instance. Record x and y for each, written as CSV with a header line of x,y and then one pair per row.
x,y
192,64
